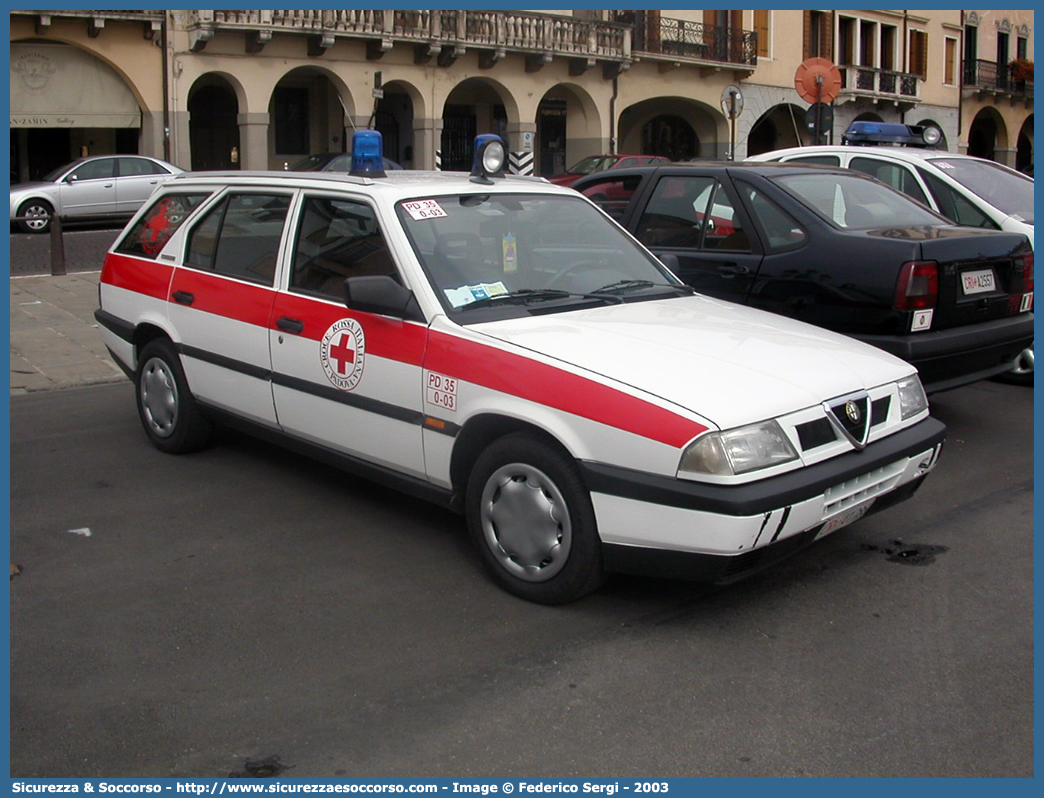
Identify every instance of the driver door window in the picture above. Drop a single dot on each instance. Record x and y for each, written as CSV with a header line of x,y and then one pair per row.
x,y
337,239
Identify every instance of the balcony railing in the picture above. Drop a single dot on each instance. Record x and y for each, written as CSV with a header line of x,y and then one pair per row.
x,y
879,84
514,31
993,77
986,75
680,38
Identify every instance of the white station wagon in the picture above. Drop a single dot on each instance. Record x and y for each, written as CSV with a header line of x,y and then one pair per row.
x,y
498,345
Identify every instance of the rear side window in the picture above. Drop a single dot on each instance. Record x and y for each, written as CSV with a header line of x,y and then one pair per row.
x,y
782,231
955,206
335,240
129,167
895,175
152,231
852,201
240,237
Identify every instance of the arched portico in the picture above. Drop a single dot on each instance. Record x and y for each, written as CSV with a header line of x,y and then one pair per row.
x,y
675,127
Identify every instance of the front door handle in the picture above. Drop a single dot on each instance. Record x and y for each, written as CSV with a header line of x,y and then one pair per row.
x,y
286,324
184,297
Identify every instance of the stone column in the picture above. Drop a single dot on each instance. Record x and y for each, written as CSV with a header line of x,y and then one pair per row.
x,y
180,141
253,141
1005,155
427,139
151,136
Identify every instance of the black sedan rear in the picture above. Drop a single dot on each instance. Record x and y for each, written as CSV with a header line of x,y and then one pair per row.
x,y
837,249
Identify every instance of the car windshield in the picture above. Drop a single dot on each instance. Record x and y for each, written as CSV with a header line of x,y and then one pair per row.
x,y
530,249
857,203
588,166
1005,190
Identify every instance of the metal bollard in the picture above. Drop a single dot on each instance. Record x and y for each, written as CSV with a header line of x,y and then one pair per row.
x,y
57,246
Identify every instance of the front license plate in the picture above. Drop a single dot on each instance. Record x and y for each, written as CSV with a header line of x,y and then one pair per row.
x,y
979,281
849,516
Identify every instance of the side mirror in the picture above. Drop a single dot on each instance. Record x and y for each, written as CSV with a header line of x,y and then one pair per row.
x,y
670,261
383,295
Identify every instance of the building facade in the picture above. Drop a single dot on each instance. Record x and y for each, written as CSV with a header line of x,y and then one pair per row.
x,y
260,89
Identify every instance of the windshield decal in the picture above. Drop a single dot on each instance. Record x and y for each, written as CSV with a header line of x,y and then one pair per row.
x,y
424,209
467,294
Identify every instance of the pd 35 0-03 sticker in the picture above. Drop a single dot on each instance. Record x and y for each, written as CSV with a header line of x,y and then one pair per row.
x,y
342,352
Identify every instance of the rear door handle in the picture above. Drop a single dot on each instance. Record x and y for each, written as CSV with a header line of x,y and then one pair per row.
x,y
286,324
184,297
733,270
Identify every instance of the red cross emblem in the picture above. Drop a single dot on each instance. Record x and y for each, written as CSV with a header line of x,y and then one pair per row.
x,y
342,351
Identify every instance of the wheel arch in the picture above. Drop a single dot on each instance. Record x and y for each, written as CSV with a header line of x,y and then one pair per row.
x,y
144,334
478,433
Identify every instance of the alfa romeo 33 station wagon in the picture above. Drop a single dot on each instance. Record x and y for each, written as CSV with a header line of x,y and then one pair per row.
x,y
498,345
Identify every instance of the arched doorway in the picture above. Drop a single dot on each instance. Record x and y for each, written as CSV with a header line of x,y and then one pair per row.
x,y
473,107
777,129
213,128
675,127
1024,153
986,134
671,136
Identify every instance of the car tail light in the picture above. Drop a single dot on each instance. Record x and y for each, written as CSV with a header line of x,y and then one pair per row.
x,y
918,286
1027,273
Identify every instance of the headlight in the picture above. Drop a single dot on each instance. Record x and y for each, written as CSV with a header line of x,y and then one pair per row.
x,y
738,451
912,399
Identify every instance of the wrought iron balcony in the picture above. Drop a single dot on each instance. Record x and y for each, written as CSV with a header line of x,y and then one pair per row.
x,y
680,39
989,76
879,85
446,34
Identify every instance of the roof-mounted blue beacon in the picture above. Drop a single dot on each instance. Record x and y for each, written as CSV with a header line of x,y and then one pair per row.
x,y
367,154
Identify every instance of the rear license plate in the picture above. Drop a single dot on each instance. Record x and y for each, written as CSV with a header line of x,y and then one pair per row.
x,y
979,281
849,516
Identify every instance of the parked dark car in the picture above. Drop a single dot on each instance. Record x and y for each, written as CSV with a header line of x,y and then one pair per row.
x,y
334,162
838,249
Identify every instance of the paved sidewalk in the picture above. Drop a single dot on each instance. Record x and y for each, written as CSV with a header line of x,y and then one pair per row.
x,y
54,337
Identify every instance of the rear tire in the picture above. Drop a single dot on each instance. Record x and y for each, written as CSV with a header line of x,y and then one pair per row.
x,y
1022,370
166,407
532,520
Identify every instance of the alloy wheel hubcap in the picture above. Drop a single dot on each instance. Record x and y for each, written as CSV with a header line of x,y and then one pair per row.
x,y
159,398
525,522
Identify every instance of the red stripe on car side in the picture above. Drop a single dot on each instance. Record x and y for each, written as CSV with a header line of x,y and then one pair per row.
x,y
470,361
551,386
221,296
385,337
137,274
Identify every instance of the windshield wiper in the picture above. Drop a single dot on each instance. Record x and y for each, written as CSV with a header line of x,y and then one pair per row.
x,y
526,295
623,286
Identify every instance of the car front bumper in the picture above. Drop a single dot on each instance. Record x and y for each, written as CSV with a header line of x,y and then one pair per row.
x,y
669,527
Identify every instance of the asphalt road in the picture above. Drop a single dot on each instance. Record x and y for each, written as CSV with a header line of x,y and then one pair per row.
x,y
179,616
84,248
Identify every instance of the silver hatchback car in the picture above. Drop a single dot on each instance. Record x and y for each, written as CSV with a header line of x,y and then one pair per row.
x,y
103,185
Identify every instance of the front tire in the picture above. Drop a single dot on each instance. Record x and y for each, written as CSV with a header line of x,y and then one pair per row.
x,y
39,215
166,407
532,520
